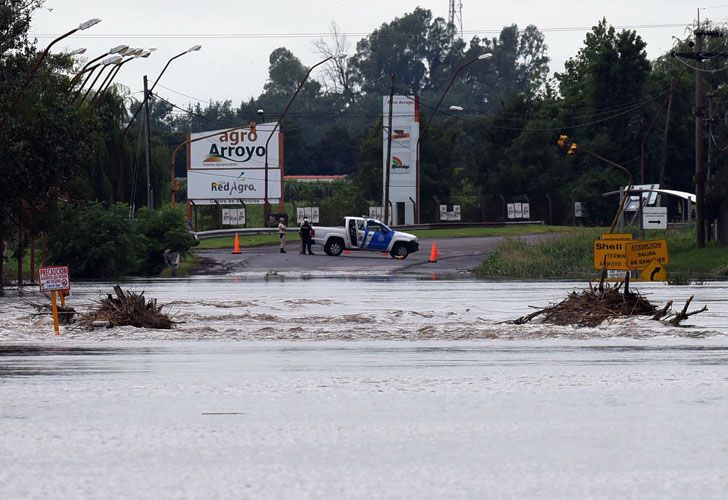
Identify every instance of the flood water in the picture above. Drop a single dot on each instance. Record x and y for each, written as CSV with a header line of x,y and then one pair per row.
x,y
375,388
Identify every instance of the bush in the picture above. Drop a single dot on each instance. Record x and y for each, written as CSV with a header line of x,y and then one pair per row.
x,y
96,241
161,230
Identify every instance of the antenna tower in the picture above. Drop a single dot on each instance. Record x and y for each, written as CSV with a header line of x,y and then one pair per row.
x,y
455,17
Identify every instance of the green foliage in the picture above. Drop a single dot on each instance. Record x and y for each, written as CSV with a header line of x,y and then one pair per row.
x,y
571,257
95,241
568,256
162,229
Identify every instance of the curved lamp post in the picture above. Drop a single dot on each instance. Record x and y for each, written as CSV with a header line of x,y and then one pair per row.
x,y
266,208
482,57
142,105
194,48
88,69
112,74
38,62
128,52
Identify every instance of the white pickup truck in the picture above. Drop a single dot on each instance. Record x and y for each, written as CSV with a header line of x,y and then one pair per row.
x,y
362,233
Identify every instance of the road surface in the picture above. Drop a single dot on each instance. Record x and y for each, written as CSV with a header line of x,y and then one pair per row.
x,y
456,257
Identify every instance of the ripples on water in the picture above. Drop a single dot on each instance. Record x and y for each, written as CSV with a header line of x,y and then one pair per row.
x,y
238,309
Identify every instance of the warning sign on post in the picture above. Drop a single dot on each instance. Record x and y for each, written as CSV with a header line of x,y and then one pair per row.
x,y
641,253
610,254
54,278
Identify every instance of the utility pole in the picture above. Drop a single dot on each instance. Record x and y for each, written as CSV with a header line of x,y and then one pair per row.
x,y
709,159
699,171
699,112
388,164
148,139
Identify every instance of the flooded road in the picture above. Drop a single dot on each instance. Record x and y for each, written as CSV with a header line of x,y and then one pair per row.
x,y
376,388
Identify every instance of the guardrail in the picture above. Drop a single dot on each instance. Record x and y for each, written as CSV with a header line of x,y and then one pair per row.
x,y
216,233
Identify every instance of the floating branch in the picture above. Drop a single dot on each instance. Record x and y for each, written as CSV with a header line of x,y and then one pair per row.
x,y
602,303
128,309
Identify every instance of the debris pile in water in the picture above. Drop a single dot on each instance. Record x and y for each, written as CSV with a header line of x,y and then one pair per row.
x,y
128,309
590,308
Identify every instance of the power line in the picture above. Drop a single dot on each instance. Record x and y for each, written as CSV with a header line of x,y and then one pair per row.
x,y
276,35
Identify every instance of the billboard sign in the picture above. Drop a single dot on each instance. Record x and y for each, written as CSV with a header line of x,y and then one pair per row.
x,y
403,162
233,185
242,148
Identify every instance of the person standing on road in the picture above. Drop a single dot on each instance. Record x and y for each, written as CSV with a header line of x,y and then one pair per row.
x,y
282,233
306,232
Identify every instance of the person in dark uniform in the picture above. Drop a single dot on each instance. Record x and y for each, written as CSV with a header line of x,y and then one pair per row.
x,y
306,233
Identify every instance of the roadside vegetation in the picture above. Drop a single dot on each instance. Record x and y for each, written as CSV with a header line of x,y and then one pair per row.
x,y
571,257
99,241
464,232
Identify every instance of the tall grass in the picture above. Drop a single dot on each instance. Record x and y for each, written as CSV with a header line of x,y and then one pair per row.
x,y
571,257
568,256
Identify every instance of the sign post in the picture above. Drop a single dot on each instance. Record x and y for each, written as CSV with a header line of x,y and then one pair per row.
x,y
53,279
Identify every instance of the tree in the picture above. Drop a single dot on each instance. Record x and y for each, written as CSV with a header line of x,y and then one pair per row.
x,y
336,77
398,48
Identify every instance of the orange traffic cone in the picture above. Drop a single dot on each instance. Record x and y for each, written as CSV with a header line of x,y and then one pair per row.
x,y
236,247
434,253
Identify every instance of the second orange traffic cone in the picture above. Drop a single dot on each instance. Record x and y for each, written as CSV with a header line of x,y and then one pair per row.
x,y
236,247
434,253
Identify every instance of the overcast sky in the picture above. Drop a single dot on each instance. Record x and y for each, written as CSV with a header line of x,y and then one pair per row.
x,y
237,37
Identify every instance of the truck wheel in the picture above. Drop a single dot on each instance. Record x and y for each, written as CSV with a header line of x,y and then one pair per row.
x,y
334,247
399,251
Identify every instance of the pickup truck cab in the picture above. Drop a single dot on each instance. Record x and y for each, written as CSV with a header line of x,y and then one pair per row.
x,y
363,233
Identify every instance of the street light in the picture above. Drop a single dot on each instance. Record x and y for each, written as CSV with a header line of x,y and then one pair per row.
x,y
285,110
125,52
39,61
115,71
194,48
87,67
145,104
481,57
112,60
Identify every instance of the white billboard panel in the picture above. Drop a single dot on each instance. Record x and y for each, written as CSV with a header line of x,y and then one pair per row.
x,y
230,185
235,149
403,165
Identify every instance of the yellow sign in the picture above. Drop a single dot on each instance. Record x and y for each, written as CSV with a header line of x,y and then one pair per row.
x,y
641,253
611,254
617,236
654,272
